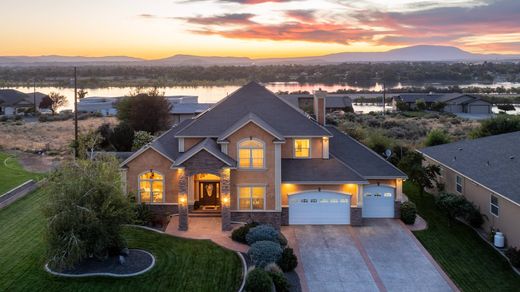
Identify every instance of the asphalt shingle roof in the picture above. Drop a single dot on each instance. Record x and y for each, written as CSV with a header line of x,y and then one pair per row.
x,y
360,158
167,144
253,98
318,170
9,97
492,161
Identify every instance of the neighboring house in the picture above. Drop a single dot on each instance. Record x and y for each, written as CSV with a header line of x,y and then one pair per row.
x,y
454,102
184,111
102,105
254,156
14,102
333,102
487,172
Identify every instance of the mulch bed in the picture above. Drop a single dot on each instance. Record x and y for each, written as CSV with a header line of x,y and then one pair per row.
x,y
137,261
292,277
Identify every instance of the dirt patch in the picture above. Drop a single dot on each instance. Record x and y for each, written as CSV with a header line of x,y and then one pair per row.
x,y
35,162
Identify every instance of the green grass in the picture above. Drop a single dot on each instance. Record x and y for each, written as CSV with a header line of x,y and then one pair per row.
x,y
12,174
469,261
181,265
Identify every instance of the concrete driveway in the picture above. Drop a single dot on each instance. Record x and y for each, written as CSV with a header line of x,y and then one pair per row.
x,y
379,256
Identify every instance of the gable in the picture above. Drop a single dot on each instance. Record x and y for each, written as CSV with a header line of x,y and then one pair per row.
x,y
149,158
203,162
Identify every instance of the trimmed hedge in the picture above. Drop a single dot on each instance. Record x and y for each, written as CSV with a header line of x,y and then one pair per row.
x,y
288,261
258,280
408,212
262,233
280,282
240,233
263,253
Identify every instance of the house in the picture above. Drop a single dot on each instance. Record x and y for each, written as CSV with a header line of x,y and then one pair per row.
x,y
254,156
105,106
183,111
333,102
454,102
485,171
14,102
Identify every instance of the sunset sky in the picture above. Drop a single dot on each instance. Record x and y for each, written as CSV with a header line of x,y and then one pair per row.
x,y
253,28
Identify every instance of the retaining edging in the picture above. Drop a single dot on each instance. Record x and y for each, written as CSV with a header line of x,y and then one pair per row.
x,y
19,192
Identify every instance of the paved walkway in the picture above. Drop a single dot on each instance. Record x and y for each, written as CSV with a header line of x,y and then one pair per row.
x,y
382,255
206,228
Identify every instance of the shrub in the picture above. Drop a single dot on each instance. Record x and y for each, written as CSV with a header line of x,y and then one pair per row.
x,y
263,253
513,254
408,212
437,137
141,138
122,137
288,261
453,206
273,268
143,214
280,282
258,280
499,125
42,119
474,217
240,233
282,240
262,232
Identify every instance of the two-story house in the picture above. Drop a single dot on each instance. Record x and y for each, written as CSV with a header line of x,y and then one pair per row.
x,y
254,156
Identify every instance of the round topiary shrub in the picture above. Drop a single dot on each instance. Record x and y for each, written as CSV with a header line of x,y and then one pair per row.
x,y
288,261
280,282
282,240
408,212
263,253
258,280
240,233
262,233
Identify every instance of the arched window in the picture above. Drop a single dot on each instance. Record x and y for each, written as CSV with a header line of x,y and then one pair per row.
x,y
251,154
151,187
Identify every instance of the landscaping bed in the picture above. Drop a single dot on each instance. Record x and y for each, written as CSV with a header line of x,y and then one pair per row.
x,y
467,259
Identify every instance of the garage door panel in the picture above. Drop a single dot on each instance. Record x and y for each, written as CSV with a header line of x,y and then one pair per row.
x,y
319,208
378,202
479,109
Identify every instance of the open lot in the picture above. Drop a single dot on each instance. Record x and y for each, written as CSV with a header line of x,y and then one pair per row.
x,y
12,173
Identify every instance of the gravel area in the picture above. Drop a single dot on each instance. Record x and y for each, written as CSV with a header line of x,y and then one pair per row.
x,y
137,261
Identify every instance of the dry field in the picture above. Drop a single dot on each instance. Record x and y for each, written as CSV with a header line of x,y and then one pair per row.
x,y
55,137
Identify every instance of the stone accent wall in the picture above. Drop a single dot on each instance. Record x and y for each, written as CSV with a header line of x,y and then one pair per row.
x,y
356,217
203,162
164,210
272,218
285,216
397,209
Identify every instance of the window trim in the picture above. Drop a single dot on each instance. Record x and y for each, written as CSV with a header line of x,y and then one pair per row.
x,y
457,177
294,148
251,157
491,205
250,186
151,186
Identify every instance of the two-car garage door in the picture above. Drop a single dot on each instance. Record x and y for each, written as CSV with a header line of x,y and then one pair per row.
x,y
319,208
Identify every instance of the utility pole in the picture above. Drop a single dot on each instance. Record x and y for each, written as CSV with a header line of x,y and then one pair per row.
x,y
34,94
75,113
384,98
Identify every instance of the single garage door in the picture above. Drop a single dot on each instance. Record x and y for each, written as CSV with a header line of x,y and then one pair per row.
x,y
479,109
378,201
319,208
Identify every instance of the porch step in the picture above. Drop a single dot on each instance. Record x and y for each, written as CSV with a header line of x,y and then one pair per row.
x,y
201,214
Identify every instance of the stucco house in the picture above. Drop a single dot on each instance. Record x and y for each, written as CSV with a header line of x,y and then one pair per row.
x,y
487,172
254,156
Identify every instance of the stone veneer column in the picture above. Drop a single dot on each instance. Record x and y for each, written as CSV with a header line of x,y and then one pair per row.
x,y
183,200
225,196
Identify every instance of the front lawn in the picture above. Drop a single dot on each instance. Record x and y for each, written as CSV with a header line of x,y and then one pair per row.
x,y
12,173
470,262
182,265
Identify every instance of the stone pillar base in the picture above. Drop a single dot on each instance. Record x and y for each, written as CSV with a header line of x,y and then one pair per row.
x,y
226,219
183,218
356,216
397,209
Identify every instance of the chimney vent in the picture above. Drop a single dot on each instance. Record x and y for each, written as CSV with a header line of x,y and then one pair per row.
x,y
319,105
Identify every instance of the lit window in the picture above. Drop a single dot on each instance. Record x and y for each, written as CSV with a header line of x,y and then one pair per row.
x,y
251,154
494,205
251,198
459,184
314,200
302,148
151,187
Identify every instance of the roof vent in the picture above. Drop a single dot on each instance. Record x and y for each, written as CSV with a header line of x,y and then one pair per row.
x,y
460,148
487,163
454,158
512,157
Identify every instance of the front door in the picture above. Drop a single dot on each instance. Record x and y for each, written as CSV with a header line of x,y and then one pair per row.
x,y
209,193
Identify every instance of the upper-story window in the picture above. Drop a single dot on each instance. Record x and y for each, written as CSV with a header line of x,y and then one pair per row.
x,y
251,154
151,187
302,148
459,184
494,207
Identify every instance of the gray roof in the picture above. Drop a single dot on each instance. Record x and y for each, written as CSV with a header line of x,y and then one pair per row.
x,y
10,97
332,101
318,170
210,146
492,161
360,158
253,98
190,108
167,144
413,97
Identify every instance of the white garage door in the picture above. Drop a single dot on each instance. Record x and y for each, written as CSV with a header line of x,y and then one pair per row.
x,y
479,109
378,201
319,208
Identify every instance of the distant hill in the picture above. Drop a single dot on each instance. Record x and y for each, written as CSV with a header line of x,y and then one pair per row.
x,y
407,54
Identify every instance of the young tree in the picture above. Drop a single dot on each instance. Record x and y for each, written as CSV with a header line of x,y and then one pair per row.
x,y
402,106
82,93
141,138
145,111
499,125
423,176
453,206
122,137
437,137
87,143
53,101
85,210
438,106
420,104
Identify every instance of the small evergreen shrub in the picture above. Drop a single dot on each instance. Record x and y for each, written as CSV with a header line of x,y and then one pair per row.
x,y
240,233
273,268
143,214
288,261
282,240
262,233
475,218
263,253
258,280
513,254
408,212
280,282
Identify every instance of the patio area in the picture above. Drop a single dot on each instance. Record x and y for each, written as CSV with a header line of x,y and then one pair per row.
x,y
209,228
